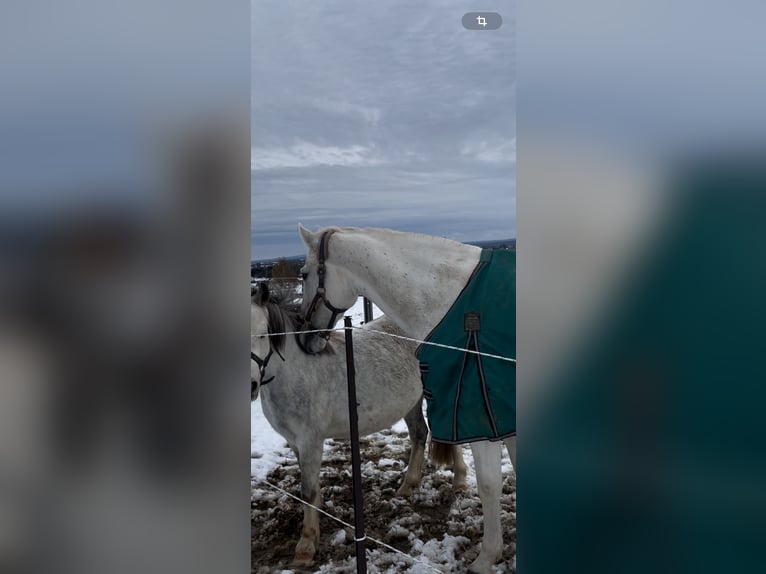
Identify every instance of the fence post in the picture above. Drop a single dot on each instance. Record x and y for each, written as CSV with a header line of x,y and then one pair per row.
x,y
367,306
356,465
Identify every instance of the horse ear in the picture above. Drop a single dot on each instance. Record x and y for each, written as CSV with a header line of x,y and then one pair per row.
x,y
307,236
264,294
259,293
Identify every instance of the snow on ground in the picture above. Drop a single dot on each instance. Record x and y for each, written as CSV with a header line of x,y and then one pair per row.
x,y
357,313
437,526
267,448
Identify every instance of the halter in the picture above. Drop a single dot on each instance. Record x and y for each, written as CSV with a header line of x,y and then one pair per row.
x,y
262,364
321,294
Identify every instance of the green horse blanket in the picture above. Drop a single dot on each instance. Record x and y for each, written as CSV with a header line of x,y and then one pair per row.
x,y
472,397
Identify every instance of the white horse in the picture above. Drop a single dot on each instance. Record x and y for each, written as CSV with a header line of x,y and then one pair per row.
x,y
305,398
414,279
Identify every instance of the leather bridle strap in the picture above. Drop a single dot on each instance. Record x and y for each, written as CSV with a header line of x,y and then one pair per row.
x,y
321,295
263,363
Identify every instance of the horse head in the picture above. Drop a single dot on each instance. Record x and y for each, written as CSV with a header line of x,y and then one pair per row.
x,y
327,289
266,322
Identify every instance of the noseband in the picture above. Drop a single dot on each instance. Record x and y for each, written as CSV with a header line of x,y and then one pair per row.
x,y
321,295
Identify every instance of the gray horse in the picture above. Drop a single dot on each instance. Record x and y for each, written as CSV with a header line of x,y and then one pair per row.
x,y
304,397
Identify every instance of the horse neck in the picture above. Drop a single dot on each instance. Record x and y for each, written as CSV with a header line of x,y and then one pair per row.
x,y
292,372
413,278
292,353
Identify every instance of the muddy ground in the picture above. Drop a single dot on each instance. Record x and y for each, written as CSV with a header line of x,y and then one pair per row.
x,y
436,524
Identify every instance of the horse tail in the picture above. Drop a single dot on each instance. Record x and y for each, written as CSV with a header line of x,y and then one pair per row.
x,y
441,453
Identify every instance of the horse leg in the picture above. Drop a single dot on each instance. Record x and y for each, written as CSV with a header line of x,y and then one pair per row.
x,y
489,478
459,469
418,430
310,460
510,444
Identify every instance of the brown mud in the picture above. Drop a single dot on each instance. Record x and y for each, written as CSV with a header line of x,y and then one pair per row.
x,y
432,512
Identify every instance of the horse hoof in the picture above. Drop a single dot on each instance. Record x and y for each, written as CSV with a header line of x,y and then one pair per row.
x,y
480,566
303,559
460,487
405,491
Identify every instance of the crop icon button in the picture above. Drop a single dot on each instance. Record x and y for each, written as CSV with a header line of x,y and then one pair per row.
x,y
482,20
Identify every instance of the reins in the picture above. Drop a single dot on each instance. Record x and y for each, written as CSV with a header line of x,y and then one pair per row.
x,y
320,294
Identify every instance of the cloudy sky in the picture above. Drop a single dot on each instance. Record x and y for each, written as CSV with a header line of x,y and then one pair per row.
x,y
386,114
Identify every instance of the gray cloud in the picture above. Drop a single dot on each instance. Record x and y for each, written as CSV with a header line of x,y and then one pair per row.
x,y
380,114
305,154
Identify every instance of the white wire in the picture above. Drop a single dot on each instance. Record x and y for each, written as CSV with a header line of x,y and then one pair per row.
x,y
440,345
299,332
490,355
347,525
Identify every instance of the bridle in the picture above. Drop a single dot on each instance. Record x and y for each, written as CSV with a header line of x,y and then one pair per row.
x,y
321,295
262,364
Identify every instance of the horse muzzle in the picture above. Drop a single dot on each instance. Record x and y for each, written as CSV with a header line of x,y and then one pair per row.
x,y
314,343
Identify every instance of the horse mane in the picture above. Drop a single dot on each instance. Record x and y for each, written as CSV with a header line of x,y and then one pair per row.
x,y
276,317
382,231
286,317
283,316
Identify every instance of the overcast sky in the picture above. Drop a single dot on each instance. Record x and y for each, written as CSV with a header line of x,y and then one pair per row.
x,y
385,114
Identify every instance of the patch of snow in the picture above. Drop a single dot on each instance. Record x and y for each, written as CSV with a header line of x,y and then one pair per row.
x,y
400,427
339,538
267,447
442,551
357,313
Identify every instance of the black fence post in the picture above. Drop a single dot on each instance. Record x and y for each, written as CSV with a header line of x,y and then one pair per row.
x,y
367,306
356,464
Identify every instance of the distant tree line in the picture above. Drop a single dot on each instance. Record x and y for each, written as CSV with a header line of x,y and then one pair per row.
x,y
284,284
279,269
